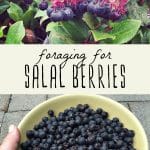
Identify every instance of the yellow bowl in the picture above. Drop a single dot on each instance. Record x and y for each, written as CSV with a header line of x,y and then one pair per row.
x,y
58,104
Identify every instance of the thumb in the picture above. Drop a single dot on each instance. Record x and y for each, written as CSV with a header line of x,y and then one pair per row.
x,y
11,140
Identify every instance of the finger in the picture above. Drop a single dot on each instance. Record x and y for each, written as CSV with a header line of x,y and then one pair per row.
x,y
11,140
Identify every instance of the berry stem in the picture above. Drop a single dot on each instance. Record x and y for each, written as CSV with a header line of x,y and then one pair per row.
x,y
88,38
107,29
103,21
98,25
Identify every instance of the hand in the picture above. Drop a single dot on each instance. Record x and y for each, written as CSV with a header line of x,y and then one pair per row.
x,y
11,140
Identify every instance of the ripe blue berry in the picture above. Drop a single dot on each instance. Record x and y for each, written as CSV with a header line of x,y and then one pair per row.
x,y
51,112
103,11
28,2
93,6
82,6
81,141
49,11
25,145
114,16
68,13
43,5
57,15
67,10
30,134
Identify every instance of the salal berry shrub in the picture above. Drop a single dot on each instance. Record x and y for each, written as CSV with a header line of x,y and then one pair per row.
x,y
64,10
75,21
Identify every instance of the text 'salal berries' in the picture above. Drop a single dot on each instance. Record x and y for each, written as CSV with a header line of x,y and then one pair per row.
x,y
43,5
28,1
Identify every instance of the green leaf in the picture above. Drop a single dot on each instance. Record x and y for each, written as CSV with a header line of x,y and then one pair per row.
x,y
29,16
146,37
137,38
37,1
138,12
99,35
4,4
15,33
67,32
43,19
51,26
15,12
76,29
90,20
40,13
124,31
1,31
59,36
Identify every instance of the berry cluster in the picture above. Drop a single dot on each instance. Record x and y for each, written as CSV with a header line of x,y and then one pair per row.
x,y
28,2
79,128
68,9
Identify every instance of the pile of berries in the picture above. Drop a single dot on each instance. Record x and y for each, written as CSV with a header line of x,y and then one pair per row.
x,y
63,10
79,128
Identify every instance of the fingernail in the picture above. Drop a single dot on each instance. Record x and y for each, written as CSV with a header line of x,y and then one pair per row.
x,y
11,128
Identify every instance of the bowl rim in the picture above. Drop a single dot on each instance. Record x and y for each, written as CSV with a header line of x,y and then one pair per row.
x,y
128,112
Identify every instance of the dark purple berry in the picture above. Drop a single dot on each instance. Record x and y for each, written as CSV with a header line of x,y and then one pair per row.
x,y
93,6
57,15
49,11
103,11
30,134
114,16
82,6
68,13
51,113
78,14
25,145
43,5
28,2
